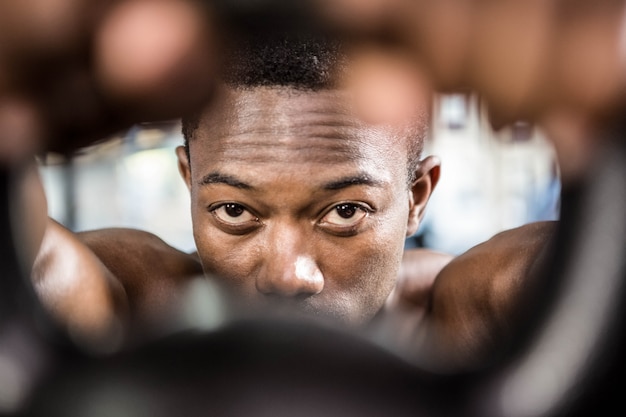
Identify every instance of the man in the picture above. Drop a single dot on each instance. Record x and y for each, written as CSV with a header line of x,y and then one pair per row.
x,y
297,202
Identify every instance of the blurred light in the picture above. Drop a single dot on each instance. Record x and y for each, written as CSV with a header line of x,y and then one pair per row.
x,y
12,384
147,167
454,110
203,306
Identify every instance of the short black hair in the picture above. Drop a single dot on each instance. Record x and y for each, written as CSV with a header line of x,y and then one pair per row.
x,y
296,60
300,61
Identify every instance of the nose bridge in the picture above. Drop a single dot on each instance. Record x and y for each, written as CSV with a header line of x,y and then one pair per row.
x,y
289,266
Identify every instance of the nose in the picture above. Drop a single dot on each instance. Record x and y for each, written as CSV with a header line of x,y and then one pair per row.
x,y
288,270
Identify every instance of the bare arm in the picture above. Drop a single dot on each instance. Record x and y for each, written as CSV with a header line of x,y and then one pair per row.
x,y
97,283
77,289
150,270
476,297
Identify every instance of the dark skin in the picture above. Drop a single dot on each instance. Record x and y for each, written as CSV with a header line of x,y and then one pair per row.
x,y
296,202
479,297
293,200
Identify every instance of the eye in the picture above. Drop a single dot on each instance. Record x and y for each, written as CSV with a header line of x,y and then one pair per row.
x,y
345,214
233,214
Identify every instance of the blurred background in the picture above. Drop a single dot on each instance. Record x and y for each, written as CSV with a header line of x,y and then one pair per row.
x,y
490,181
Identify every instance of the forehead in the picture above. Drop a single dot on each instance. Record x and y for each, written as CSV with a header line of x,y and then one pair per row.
x,y
284,126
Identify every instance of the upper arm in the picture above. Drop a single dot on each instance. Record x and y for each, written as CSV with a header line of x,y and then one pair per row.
x,y
476,297
77,288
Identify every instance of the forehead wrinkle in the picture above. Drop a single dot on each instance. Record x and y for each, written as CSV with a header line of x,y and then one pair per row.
x,y
284,123
326,150
284,108
269,125
307,142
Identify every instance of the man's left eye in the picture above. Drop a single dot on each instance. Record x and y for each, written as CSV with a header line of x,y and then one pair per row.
x,y
233,214
345,214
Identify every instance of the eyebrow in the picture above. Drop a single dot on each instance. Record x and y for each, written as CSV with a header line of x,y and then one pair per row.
x,y
218,178
345,182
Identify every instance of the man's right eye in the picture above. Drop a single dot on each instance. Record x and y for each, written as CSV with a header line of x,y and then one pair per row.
x,y
233,214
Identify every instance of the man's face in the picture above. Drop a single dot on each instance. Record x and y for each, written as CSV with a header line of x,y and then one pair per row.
x,y
296,201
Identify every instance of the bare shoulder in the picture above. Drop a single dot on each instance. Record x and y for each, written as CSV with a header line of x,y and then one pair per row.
x,y
150,270
493,271
475,298
509,254
408,303
525,239
417,274
135,248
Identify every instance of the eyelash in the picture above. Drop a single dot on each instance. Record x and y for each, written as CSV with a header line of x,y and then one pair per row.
x,y
359,206
346,230
242,228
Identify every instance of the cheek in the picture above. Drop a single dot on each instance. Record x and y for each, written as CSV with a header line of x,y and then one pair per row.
x,y
363,271
383,258
226,257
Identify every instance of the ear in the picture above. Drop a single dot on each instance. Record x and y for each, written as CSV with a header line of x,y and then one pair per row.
x,y
183,165
426,178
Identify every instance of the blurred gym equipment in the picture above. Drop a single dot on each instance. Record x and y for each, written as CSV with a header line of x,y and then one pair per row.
x,y
566,361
